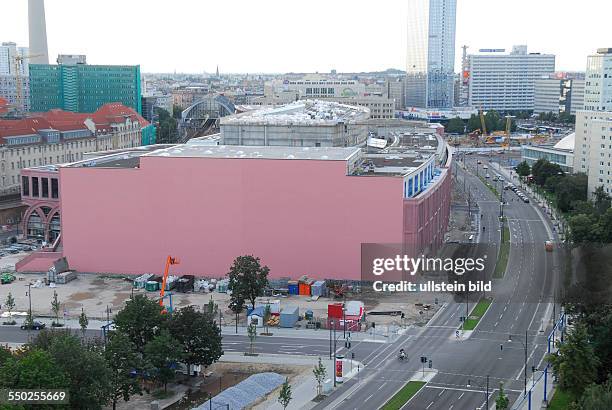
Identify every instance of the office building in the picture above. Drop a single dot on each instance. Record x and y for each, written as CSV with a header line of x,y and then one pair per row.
x,y
559,93
302,210
561,153
593,151
77,87
37,27
14,82
396,90
431,53
506,82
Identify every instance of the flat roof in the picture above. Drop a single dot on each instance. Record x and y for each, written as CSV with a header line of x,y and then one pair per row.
x,y
304,112
256,152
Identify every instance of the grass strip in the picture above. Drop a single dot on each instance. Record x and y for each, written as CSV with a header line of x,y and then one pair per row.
x,y
560,401
401,397
504,253
477,313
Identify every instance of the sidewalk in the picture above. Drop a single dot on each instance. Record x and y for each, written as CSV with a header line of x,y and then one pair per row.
x,y
382,335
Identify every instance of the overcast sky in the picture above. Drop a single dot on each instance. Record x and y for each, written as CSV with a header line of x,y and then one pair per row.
x,y
298,35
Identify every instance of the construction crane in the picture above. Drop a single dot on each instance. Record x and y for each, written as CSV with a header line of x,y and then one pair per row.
x,y
509,118
18,63
482,122
169,261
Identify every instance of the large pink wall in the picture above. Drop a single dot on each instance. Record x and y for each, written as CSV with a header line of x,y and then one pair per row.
x,y
299,216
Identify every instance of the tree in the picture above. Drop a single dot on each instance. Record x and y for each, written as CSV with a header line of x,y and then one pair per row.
x,y
523,169
543,169
247,279
284,397
141,320
83,322
86,368
162,354
122,359
597,397
168,126
5,355
581,227
9,304
56,307
252,332
502,402
493,121
320,373
601,200
267,313
455,126
473,123
198,335
570,189
575,363
35,369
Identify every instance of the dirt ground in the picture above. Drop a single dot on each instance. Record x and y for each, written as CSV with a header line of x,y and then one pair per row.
x,y
93,293
223,375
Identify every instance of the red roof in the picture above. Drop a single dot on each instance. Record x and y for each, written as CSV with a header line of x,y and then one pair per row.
x,y
60,120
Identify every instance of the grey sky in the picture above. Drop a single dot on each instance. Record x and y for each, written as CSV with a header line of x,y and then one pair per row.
x,y
296,35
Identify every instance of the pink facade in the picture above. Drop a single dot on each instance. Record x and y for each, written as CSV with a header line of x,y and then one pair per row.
x,y
299,216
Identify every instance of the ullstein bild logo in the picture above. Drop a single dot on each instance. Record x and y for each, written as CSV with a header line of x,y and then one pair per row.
x,y
453,267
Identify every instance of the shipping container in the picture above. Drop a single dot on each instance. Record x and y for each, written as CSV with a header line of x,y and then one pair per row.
x,y
319,288
293,288
334,310
185,284
304,289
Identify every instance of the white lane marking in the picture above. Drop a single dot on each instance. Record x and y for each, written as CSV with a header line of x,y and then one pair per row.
x,y
461,396
369,397
430,404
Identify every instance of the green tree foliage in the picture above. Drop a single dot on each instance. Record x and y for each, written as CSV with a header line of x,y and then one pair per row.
x,y
140,320
252,333
601,200
569,189
88,372
473,123
9,304
494,121
162,354
56,308
543,169
247,279
320,373
284,397
198,335
122,358
83,322
575,363
502,402
523,169
5,354
455,126
34,369
168,127
597,397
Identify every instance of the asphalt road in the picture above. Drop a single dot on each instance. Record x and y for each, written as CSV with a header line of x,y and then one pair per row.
x,y
521,301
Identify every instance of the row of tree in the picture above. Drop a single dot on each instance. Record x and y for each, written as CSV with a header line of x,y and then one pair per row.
x,y
145,345
562,118
493,121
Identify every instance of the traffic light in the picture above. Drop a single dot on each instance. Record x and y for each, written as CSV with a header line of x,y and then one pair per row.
x,y
353,355
430,364
501,347
423,359
403,315
373,325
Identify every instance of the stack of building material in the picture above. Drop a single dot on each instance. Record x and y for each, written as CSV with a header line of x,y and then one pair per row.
x,y
65,277
222,285
171,282
152,286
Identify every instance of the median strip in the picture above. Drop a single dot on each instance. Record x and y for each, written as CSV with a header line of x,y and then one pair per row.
x,y
504,253
476,314
402,397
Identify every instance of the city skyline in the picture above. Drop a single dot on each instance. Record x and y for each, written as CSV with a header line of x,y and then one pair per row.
x,y
306,49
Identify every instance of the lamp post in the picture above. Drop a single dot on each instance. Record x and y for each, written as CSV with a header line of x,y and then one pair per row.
x,y
469,384
525,346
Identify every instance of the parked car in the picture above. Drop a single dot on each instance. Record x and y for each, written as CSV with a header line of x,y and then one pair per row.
x,y
525,199
35,326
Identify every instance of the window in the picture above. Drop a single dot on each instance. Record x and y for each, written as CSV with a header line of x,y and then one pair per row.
x,y
45,187
35,192
54,188
25,186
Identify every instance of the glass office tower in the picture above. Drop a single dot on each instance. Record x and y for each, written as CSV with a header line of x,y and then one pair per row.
x,y
431,53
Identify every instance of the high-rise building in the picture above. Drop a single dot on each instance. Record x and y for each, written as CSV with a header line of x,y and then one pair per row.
x,y
37,26
593,147
9,59
83,88
431,53
506,82
559,93
14,85
598,86
396,90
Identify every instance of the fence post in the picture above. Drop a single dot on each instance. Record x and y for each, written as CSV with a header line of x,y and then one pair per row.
x,y
545,383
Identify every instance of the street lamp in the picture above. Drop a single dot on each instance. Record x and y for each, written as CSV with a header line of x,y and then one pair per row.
x,y
525,346
469,384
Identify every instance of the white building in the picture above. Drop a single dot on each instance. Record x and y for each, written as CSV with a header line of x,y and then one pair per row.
x,y
396,90
561,153
506,82
14,75
431,53
598,86
317,86
559,93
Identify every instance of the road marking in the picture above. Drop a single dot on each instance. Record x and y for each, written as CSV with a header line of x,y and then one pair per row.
x,y
461,396
441,392
369,397
430,404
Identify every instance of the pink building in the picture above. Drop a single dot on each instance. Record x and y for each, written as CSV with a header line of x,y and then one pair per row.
x,y
301,210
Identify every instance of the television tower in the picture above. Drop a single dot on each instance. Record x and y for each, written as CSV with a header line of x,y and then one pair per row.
x,y
38,32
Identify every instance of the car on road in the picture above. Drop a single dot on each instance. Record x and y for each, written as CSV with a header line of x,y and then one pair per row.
x,y
525,199
7,278
487,176
35,326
